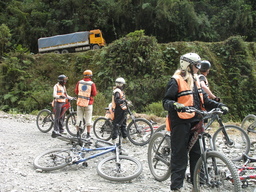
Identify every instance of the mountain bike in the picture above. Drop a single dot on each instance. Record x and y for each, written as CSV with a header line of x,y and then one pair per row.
x,y
45,119
249,125
117,167
231,140
139,130
213,168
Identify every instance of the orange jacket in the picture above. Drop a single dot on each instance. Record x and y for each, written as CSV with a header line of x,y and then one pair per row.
x,y
84,93
185,96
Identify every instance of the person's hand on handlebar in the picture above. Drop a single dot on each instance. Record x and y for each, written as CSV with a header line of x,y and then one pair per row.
x,y
224,109
179,107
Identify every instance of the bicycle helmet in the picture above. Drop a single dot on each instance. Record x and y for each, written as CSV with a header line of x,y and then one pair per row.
x,y
62,79
190,59
120,81
205,65
87,73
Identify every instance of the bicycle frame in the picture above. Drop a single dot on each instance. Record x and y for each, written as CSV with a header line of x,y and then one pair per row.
x,y
242,171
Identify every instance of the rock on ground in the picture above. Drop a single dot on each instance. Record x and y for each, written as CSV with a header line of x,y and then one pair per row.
x,y
21,142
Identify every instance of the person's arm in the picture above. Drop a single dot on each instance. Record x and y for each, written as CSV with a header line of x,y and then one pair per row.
x,y
170,96
55,96
207,90
94,90
76,88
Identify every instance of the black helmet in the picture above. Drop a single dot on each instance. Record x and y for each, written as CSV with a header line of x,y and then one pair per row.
x,y
62,78
205,65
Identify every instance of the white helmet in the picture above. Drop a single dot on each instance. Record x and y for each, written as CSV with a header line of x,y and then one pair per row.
x,y
190,59
120,81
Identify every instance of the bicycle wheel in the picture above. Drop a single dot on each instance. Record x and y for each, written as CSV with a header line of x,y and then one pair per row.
x,y
240,142
102,128
44,120
222,174
71,124
160,128
52,160
249,123
159,156
126,169
139,131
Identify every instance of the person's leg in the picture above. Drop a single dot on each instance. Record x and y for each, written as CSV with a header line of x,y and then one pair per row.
x,y
88,118
57,120
79,119
179,157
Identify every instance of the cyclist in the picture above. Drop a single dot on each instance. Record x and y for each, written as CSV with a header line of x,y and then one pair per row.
x,y
60,95
119,107
204,70
182,90
86,91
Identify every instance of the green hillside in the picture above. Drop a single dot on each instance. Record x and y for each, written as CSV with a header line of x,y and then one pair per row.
x,y
27,80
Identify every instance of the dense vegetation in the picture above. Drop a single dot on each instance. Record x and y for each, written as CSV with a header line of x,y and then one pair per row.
x,y
145,40
27,80
167,20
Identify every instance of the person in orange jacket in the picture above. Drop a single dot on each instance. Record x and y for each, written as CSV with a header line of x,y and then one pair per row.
x,y
184,90
60,96
86,91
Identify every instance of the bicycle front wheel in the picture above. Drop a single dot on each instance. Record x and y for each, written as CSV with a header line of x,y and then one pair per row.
x,y
249,123
125,169
161,128
159,156
217,173
44,120
238,143
52,160
139,131
102,128
71,124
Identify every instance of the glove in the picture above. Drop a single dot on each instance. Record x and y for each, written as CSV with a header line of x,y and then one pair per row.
x,y
224,109
178,106
62,97
217,99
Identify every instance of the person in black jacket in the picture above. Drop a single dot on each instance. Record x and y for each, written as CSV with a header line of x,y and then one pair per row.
x,y
119,107
183,90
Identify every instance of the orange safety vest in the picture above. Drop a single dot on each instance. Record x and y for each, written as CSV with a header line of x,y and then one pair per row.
x,y
122,96
84,93
185,96
61,90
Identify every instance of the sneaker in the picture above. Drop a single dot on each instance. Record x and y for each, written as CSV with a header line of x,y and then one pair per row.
x,y
88,136
125,140
55,134
63,132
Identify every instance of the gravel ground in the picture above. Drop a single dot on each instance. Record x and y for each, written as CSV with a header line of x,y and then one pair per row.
x,y
21,142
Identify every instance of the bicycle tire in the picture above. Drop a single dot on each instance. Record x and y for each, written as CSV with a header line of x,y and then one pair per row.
x,y
223,176
44,120
161,128
52,160
247,123
159,156
102,128
108,169
240,142
71,124
142,134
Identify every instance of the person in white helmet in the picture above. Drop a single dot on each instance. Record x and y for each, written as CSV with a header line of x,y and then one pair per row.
x,y
119,107
183,90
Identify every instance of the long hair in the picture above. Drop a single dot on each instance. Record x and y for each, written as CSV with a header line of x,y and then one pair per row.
x,y
187,76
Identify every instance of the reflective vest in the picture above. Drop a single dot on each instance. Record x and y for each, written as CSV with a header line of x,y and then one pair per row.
x,y
185,96
61,90
84,93
122,96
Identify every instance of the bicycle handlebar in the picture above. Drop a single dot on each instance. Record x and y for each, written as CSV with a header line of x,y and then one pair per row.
x,y
203,114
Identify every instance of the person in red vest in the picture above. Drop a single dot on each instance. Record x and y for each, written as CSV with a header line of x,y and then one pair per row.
x,y
184,90
60,96
86,91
